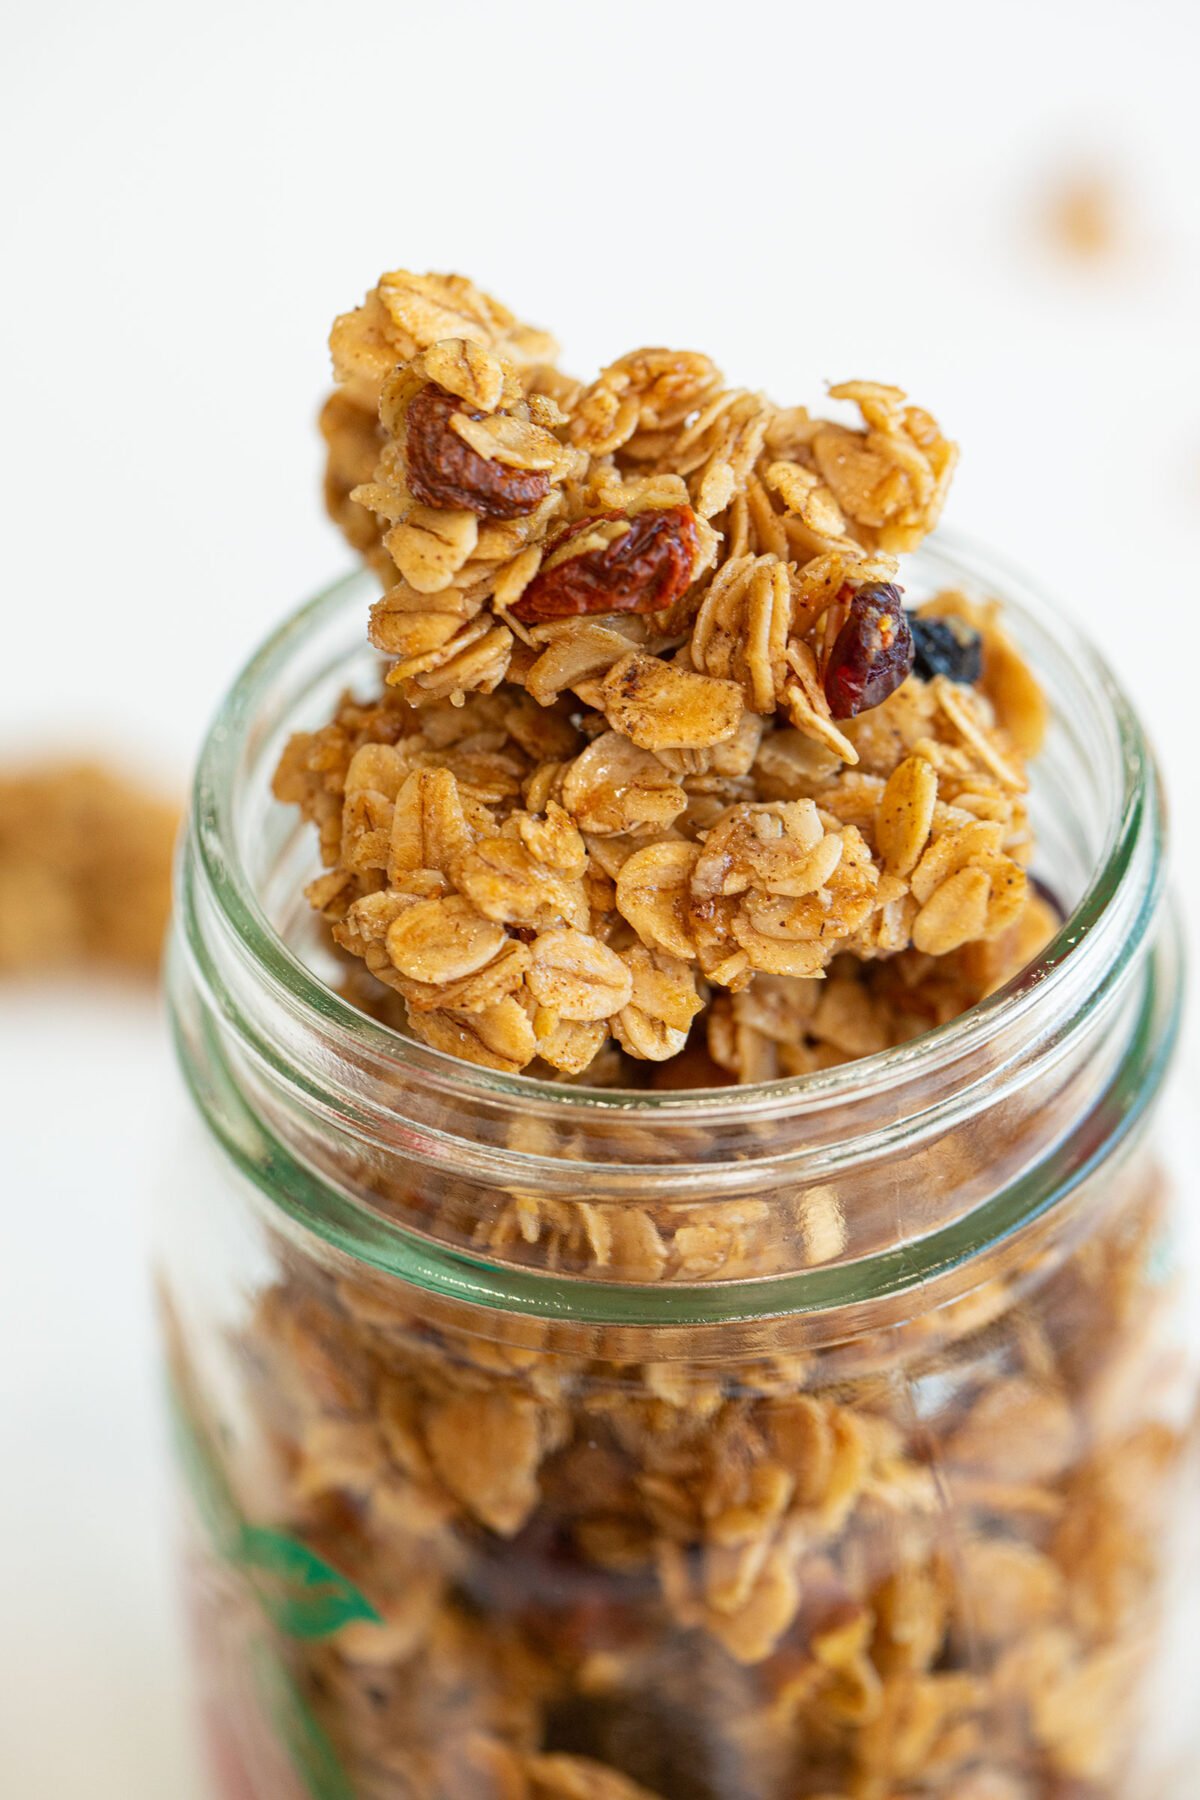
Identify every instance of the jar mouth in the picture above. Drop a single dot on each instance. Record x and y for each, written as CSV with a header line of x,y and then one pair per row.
x,y
859,1290
404,1159
1106,927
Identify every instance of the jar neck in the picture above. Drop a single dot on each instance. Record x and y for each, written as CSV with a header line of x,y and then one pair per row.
x,y
850,1180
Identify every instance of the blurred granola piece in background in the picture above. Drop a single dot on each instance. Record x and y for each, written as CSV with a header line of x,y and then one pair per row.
x,y
85,868
1083,214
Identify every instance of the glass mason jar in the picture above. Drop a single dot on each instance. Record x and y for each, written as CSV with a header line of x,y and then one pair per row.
x,y
829,1437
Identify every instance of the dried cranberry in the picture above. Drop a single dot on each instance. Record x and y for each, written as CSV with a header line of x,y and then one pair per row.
x,y
872,653
645,569
947,647
444,471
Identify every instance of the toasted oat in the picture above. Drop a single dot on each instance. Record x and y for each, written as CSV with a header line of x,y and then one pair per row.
x,y
905,814
659,706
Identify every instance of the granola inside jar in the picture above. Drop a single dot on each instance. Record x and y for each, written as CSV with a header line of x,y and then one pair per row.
x,y
825,1437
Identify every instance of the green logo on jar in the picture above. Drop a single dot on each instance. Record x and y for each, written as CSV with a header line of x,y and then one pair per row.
x,y
303,1595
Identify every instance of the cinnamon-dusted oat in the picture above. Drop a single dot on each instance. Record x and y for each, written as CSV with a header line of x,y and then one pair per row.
x,y
696,588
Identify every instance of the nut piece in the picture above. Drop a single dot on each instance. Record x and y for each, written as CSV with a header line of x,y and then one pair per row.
x,y
643,567
444,470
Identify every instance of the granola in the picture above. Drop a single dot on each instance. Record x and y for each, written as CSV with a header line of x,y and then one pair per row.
x,y
921,1566
656,730
666,784
1083,215
85,868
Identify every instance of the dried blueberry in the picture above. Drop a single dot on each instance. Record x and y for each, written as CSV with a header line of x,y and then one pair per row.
x,y
872,653
949,647
1047,893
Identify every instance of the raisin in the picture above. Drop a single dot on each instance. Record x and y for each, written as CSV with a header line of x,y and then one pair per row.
x,y
872,653
659,1743
645,569
443,471
947,647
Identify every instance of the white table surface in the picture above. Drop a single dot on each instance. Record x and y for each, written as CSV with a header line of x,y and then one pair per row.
x,y
191,194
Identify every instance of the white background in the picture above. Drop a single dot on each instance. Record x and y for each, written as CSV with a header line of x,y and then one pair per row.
x,y
191,194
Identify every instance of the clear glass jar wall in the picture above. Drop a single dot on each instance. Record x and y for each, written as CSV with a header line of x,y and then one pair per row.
x,y
834,1437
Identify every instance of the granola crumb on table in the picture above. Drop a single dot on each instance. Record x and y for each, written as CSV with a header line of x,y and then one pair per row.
x,y
663,786
85,868
657,745
1083,215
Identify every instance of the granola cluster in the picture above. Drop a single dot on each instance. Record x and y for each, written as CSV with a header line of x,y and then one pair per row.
x,y
922,1565
85,869
659,748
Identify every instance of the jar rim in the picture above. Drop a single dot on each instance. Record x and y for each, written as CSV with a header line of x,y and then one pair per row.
x,y
343,1071
1136,817
305,1205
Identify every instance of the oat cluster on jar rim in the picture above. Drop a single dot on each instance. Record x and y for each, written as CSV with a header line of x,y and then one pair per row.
x,y
673,1291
